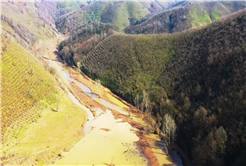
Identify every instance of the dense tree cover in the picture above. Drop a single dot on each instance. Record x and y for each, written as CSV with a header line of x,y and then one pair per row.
x,y
116,13
193,14
76,47
197,77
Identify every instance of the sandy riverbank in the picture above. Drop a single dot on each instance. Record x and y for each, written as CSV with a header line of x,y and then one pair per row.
x,y
111,141
100,147
148,144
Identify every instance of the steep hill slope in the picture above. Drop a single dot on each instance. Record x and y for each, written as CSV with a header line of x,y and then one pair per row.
x,y
116,13
197,76
193,14
73,15
23,22
37,83
74,49
31,102
178,16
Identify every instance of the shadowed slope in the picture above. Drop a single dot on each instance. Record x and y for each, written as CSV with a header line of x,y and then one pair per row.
x,y
197,69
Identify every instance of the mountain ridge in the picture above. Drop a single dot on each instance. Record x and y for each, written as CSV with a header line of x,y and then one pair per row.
x,y
192,15
200,73
197,76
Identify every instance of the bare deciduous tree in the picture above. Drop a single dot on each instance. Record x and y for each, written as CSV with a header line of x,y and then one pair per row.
x,y
136,101
146,105
169,129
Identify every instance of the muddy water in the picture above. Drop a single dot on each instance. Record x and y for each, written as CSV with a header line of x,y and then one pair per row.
x,y
176,156
100,147
83,87
106,140
112,106
112,138
87,128
66,77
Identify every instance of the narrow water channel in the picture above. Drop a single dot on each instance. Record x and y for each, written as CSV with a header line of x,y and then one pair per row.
x,y
91,120
87,90
99,146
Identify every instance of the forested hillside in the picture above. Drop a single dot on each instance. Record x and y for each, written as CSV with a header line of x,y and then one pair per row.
x,y
183,59
197,76
93,23
117,13
74,49
179,18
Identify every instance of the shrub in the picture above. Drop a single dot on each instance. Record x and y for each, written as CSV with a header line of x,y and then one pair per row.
x,y
52,70
221,138
186,103
31,93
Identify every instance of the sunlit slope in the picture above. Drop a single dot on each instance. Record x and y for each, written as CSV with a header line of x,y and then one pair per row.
x,y
38,120
115,13
24,83
25,14
121,12
192,15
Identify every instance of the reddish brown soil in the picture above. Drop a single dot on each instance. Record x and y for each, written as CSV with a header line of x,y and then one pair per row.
x,y
86,100
145,148
105,129
142,143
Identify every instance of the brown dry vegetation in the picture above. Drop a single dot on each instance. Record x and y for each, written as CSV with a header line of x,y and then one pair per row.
x,y
200,70
27,26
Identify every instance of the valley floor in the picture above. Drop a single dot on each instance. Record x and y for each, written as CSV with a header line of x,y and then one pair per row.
x,y
111,135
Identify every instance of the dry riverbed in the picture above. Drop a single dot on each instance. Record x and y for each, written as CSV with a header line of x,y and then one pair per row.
x,y
111,136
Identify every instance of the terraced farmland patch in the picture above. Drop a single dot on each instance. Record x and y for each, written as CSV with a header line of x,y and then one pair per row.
x,y
35,112
24,82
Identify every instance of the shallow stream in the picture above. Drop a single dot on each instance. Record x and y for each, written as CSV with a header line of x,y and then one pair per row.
x,y
92,120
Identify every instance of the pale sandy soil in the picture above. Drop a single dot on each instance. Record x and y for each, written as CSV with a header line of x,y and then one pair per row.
x,y
100,147
153,139
110,141
103,147
114,100
114,146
